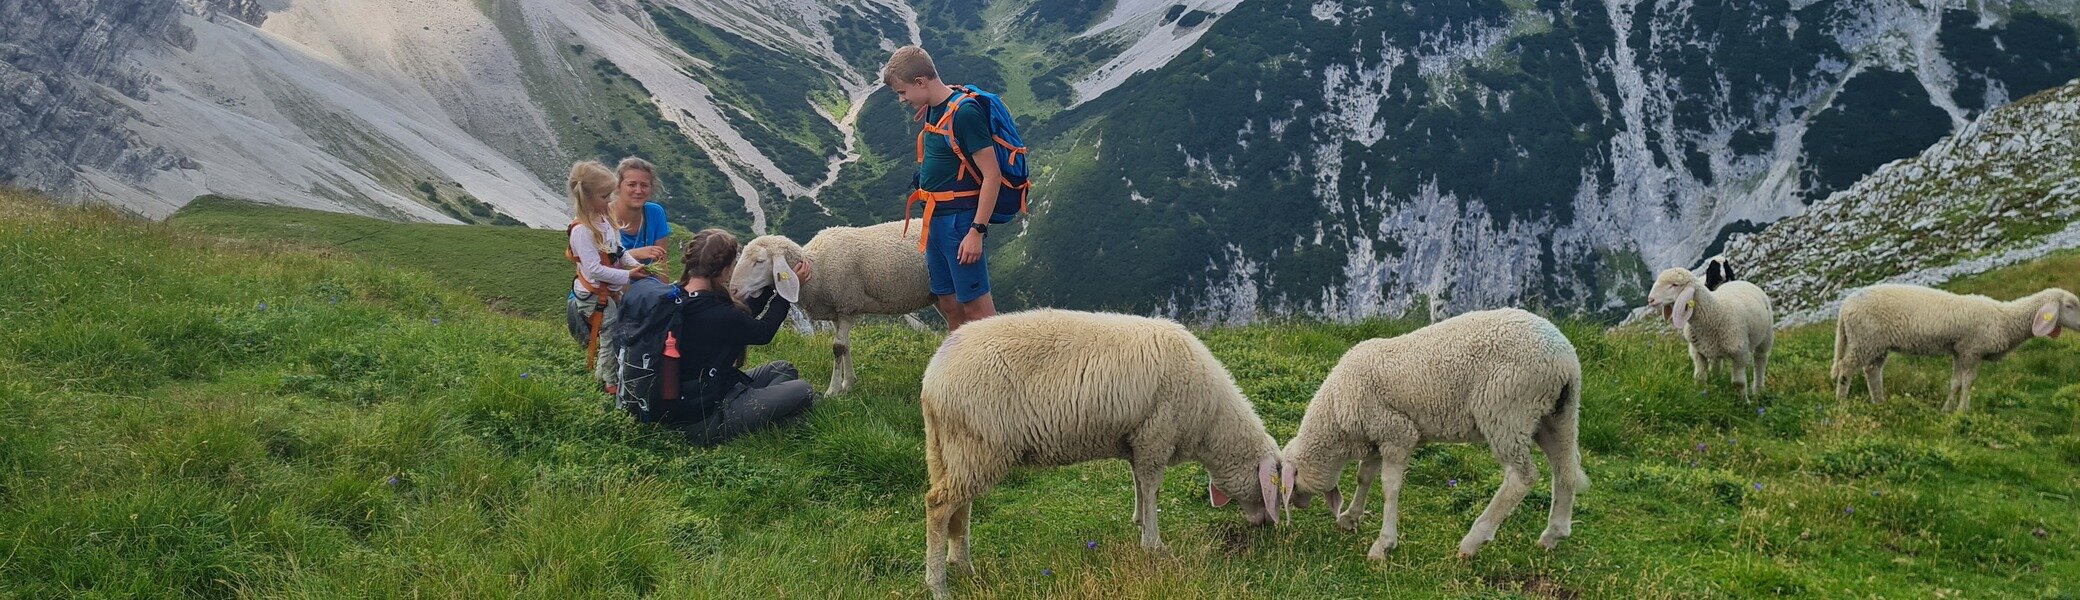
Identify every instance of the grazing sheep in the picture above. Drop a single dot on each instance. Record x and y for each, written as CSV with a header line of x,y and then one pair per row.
x,y
1732,324
1506,377
1717,271
1881,319
1055,387
871,270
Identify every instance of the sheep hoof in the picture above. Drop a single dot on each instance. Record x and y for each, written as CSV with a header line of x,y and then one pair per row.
x,y
1469,546
1346,523
1551,539
1156,549
1379,549
963,567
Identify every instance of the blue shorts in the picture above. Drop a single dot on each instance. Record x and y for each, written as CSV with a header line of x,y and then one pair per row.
x,y
942,257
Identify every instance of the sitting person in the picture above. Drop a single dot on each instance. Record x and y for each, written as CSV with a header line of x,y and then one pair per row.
x,y
719,401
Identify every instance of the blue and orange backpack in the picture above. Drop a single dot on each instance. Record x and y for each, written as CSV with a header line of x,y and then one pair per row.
x,y
1011,161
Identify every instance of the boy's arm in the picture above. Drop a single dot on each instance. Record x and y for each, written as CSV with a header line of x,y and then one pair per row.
x,y
985,161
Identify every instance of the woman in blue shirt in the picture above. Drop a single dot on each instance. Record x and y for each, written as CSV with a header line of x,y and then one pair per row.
x,y
642,222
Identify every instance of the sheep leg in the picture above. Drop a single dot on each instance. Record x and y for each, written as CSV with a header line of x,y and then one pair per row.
x,y
937,520
1563,455
1519,473
841,354
958,475
1701,369
1368,473
957,538
1874,378
1965,369
1742,364
1393,467
1840,369
1148,480
1761,365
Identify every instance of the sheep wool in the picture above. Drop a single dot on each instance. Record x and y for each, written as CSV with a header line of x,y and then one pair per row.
x,y
1505,377
1733,324
1056,387
858,271
1878,320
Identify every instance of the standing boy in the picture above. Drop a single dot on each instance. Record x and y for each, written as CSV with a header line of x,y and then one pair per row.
x,y
959,176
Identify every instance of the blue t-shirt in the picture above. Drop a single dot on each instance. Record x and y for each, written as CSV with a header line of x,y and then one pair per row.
x,y
653,230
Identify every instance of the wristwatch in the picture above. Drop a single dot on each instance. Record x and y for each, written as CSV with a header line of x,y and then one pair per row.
x,y
981,228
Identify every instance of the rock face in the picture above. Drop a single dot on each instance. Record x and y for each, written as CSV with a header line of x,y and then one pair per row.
x,y
2003,190
65,84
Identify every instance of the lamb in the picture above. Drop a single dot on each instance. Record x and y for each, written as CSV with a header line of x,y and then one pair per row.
x,y
1733,323
872,270
1056,387
1507,377
1881,319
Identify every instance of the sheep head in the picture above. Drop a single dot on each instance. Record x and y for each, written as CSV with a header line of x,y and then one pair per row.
x,y
1717,271
2060,311
768,262
1260,507
1307,471
1675,294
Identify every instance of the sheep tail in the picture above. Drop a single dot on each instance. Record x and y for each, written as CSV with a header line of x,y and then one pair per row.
x,y
934,459
1563,425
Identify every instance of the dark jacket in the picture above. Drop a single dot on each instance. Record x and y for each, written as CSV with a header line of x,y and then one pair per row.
x,y
712,334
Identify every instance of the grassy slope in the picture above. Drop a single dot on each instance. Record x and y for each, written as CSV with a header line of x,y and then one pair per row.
x,y
516,269
187,417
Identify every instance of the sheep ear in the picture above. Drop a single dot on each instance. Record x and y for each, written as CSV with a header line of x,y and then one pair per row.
x,y
1214,496
1267,485
2046,324
1335,499
784,281
1685,304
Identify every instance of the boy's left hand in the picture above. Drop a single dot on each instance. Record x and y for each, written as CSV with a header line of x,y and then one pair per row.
x,y
971,248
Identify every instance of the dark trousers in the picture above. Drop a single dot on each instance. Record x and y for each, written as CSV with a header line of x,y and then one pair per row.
x,y
774,392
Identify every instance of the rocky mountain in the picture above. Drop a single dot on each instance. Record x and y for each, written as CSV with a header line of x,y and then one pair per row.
x,y
1353,159
1218,160
2004,190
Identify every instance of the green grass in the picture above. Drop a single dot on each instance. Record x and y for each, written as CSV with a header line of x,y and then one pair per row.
x,y
515,269
182,416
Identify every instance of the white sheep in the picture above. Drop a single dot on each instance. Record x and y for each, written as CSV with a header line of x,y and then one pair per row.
x,y
1732,324
1881,319
1506,377
1055,387
872,270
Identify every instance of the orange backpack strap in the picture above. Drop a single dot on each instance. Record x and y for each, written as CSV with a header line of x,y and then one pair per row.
x,y
599,293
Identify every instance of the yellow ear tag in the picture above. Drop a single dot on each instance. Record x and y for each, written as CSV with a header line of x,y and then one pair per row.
x,y
1692,305
2048,317
784,275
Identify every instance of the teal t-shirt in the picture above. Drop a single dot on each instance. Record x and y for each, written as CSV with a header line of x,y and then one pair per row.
x,y
940,167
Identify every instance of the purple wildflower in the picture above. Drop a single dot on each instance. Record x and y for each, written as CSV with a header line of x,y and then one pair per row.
x,y
1090,545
